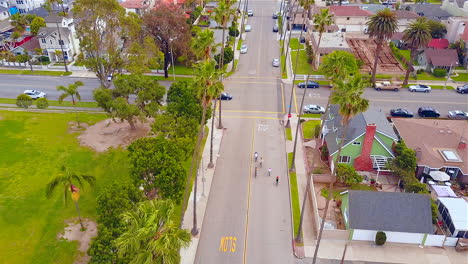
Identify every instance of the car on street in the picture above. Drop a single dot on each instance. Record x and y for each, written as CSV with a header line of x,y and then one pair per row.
x,y
248,28
275,63
420,88
250,13
462,89
243,49
225,96
310,84
426,111
314,109
35,94
302,40
457,114
386,85
275,28
275,15
399,112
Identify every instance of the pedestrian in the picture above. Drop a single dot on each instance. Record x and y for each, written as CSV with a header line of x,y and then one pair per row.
x,y
269,171
261,162
256,156
277,180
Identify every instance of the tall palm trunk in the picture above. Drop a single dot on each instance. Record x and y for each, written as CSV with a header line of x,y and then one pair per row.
x,y
77,207
314,59
211,164
293,164
330,191
377,54
286,27
410,66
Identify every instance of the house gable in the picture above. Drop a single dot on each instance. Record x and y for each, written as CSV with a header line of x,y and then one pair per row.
x,y
378,148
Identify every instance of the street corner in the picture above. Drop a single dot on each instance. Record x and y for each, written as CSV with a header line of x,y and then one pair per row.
x,y
298,249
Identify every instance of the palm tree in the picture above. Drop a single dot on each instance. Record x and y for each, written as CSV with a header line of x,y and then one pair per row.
x,y
321,21
71,90
347,95
381,26
152,236
416,36
68,180
207,81
19,22
203,45
222,14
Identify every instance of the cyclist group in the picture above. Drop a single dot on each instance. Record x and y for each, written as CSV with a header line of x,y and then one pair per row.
x,y
261,165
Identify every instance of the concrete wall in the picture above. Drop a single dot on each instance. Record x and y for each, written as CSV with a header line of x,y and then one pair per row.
x,y
395,237
353,24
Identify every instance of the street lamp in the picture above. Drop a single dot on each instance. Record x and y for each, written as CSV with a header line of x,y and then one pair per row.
x,y
449,73
172,57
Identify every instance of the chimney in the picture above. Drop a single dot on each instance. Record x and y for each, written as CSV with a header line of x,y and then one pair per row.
x,y
461,145
364,162
418,153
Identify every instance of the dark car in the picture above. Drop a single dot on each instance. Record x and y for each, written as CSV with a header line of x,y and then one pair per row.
x,y
225,96
400,113
275,15
310,84
302,40
275,28
428,112
462,89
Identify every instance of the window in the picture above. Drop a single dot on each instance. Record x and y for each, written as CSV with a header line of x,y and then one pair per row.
x,y
19,2
43,41
347,18
50,42
61,42
356,143
345,159
343,30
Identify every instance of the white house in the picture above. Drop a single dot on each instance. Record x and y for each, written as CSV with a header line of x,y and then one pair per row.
x,y
455,28
25,6
4,13
137,6
405,18
51,42
68,23
351,19
454,212
456,7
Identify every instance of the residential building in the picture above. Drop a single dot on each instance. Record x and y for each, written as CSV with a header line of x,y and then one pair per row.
x,y
137,6
438,58
432,12
4,13
51,42
328,43
27,47
454,213
438,44
351,19
405,18
367,141
455,28
456,7
404,217
440,145
67,23
24,6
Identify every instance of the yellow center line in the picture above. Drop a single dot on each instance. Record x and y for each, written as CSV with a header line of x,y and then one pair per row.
x,y
248,193
252,117
252,111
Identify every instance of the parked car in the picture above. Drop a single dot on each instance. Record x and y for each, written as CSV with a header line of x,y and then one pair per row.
x,y
275,15
250,13
302,40
275,63
35,94
420,88
400,113
225,96
248,28
275,28
243,49
457,114
386,85
314,109
428,112
310,84
462,89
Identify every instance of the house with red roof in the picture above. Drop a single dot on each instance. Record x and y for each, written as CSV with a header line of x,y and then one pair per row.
x,y
351,19
438,43
137,6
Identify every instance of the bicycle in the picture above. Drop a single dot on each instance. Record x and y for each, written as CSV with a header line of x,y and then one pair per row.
x,y
277,180
255,156
255,172
269,171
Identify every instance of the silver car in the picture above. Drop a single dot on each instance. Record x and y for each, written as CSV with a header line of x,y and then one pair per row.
x,y
457,114
420,88
275,63
314,109
244,49
35,94
248,28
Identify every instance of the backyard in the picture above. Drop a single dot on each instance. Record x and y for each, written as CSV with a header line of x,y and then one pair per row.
x,y
30,222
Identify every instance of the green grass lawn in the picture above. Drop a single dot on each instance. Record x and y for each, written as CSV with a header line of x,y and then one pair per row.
x,y
34,146
462,77
303,67
427,76
308,128
296,208
239,44
288,133
312,115
28,72
182,70
53,103
295,45
284,74
406,54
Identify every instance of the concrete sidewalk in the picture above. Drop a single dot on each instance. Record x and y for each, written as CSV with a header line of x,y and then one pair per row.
x,y
205,177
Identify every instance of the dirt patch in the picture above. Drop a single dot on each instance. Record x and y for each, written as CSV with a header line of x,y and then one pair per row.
x,y
74,127
107,133
73,232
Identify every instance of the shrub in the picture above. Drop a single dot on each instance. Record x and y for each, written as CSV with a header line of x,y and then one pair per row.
x,y
440,72
324,152
347,174
317,131
228,56
416,187
419,71
24,101
42,103
380,238
22,58
234,32
310,53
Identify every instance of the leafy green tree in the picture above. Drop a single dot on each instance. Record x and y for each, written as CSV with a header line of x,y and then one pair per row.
x,y
173,126
381,27
347,174
19,22
438,29
36,24
339,65
406,160
152,235
398,148
416,36
70,181
24,101
416,187
227,58
42,103
321,21
204,45
183,100
71,90
459,45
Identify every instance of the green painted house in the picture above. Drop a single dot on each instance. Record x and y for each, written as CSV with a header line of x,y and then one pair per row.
x,y
368,143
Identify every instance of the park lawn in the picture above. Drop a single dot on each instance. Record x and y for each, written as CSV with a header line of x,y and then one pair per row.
x,y
303,67
462,77
53,103
34,146
295,45
296,208
308,128
28,72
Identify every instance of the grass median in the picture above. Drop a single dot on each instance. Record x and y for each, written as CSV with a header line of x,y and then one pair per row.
x,y
296,208
288,133
53,103
29,72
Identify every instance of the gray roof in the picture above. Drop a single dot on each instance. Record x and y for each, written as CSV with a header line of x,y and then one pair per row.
x,y
47,31
3,9
53,19
356,126
390,211
433,12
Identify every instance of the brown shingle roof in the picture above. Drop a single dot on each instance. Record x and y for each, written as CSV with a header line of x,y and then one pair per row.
x,y
441,57
431,136
403,14
32,44
348,11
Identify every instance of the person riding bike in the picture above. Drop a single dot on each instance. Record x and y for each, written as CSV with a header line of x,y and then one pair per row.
x,y
277,180
269,171
256,156
261,162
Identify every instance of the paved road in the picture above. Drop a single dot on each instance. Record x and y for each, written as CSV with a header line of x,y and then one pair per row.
x,y
13,85
248,218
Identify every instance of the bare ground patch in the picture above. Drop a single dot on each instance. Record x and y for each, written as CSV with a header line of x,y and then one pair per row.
x,y
74,127
73,232
107,133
